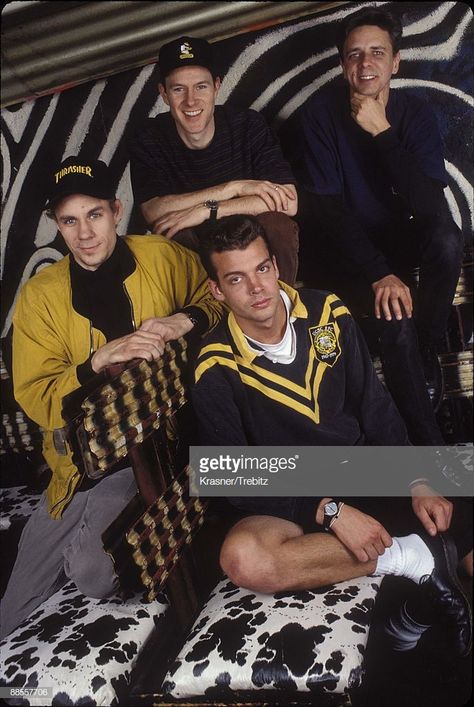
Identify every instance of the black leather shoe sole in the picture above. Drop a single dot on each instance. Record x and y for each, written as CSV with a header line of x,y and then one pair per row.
x,y
446,568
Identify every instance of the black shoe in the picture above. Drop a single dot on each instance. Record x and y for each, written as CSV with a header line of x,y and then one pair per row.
x,y
439,599
442,593
434,377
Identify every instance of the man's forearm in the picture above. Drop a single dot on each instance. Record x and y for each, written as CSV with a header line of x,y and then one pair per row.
x,y
252,205
234,197
159,206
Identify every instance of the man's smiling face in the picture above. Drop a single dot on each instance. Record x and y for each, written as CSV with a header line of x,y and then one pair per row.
x,y
190,92
369,61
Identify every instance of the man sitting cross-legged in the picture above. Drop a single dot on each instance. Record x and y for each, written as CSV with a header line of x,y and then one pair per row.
x,y
260,380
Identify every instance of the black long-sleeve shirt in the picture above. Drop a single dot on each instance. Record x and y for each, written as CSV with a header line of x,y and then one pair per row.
x,y
329,394
361,185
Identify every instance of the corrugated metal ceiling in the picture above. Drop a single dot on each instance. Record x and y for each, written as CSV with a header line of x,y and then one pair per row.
x,y
49,46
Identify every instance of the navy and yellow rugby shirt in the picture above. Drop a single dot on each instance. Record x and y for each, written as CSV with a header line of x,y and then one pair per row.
x,y
329,395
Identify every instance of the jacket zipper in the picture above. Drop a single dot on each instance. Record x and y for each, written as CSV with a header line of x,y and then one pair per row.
x,y
131,306
91,351
91,347
68,495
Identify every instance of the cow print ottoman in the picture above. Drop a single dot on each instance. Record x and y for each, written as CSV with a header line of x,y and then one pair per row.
x,y
84,649
307,641
17,504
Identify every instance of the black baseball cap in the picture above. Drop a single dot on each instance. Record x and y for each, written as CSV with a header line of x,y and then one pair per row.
x,y
78,175
185,51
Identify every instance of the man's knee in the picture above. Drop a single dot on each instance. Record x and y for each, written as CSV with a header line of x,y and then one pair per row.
x,y
249,565
94,577
397,334
443,240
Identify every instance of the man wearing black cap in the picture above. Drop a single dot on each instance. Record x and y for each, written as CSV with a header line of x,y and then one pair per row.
x,y
110,300
201,162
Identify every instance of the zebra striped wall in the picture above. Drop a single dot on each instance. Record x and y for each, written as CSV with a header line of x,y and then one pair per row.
x,y
273,71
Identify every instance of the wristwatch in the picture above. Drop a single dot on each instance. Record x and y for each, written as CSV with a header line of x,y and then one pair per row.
x,y
194,320
212,205
331,512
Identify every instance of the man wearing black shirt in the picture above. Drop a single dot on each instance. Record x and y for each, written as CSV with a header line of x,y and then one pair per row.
x,y
200,161
374,177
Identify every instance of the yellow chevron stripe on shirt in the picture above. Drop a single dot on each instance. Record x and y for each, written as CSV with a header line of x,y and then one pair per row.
x,y
248,370
212,348
258,385
304,392
340,310
283,399
210,362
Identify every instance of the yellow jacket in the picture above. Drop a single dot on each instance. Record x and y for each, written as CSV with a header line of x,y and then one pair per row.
x,y
50,339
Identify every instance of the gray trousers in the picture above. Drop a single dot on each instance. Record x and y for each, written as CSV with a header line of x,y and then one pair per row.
x,y
51,552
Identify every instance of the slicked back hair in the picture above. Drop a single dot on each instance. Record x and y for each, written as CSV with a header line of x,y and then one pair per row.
x,y
228,233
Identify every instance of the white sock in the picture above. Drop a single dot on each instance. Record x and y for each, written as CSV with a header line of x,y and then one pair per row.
x,y
408,557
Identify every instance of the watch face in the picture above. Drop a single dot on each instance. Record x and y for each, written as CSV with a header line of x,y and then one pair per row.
x,y
330,509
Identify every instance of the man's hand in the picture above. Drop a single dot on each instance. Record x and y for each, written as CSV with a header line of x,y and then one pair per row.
x,y
168,328
364,536
369,113
392,295
275,196
147,342
170,223
140,344
434,511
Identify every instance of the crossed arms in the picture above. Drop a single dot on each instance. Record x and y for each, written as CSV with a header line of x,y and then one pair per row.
x,y
169,214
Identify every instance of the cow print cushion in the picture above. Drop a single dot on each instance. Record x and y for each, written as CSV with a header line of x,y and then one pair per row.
x,y
17,504
299,641
83,648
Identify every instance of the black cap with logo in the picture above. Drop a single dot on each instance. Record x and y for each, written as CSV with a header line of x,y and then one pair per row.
x,y
77,175
185,51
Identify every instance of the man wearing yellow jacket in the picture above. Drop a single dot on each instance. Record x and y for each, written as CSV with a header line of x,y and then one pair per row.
x,y
110,300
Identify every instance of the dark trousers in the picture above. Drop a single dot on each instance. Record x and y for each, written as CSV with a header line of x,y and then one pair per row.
x,y
282,233
435,249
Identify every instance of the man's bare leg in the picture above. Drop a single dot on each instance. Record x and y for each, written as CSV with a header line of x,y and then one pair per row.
x,y
269,555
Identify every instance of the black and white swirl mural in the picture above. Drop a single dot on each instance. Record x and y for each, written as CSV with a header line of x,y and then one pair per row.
x,y
272,70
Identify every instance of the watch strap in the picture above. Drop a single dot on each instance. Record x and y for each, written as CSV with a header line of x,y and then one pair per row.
x,y
329,519
336,516
198,318
212,205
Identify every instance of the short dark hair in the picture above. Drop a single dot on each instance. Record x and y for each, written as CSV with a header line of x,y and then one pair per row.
x,y
371,16
228,233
